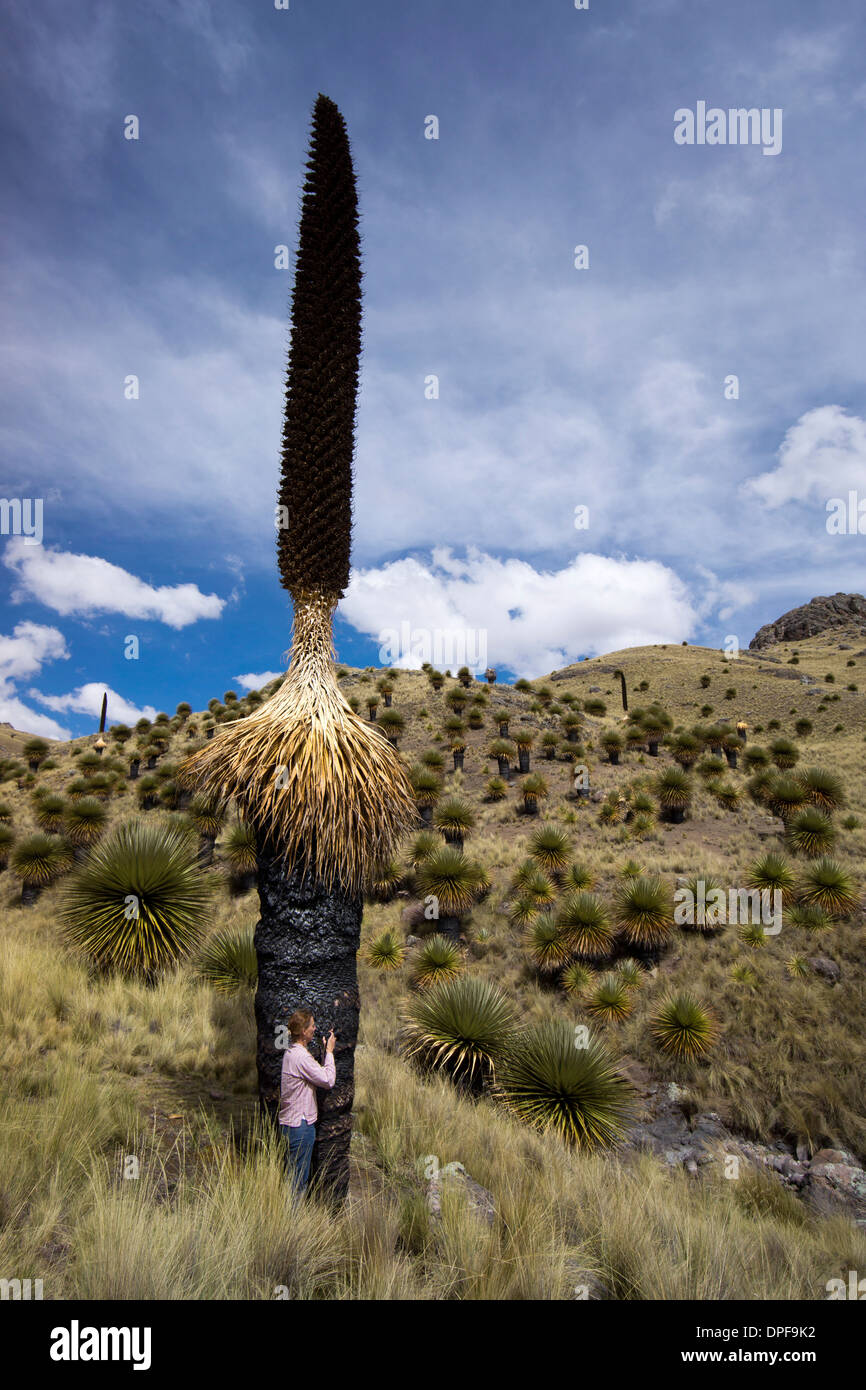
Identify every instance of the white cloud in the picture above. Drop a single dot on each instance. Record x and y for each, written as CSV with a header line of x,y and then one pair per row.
x,y
87,699
483,608
84,584
13,711
821,456
29,647
251,681
24,654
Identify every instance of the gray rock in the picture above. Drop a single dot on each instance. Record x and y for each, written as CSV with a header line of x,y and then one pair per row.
x,y
831,1188
822,965
818,615
453,1177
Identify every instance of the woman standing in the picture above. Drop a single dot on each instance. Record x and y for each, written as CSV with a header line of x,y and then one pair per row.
x,y
301,1074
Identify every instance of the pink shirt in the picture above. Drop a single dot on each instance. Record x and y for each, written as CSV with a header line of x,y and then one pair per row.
x,y
300,1076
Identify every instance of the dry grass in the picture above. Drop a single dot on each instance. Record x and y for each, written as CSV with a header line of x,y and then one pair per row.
x,y
96,1070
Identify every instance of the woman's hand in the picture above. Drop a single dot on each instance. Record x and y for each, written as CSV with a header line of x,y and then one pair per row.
x,y
330,1041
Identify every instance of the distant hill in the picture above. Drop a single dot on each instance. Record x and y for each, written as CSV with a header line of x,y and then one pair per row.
x,y
812,618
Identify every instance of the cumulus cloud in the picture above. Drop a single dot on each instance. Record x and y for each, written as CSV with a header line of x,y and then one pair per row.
x,y
822,455
85,584
252,681
24,654
484,609
87,699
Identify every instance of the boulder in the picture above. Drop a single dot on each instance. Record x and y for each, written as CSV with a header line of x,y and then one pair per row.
x,y
818,615
827,968
453,1177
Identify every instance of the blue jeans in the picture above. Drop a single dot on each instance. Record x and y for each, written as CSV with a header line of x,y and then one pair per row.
x,y
299,1142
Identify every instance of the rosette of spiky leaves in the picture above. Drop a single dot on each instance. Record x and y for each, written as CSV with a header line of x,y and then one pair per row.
x,y
584,922
711,768
673,789
811,832
726,794
643,912
797,967
683,1027
533,789
531,881
426,785
433,758
785,797
523,911
425,843
612,743
630,869
686,749
743,974
630,972
502,749
139,903
84,820
827,885
49,813
576,978
228,960
548,946
496,789
551,1083
784,753
7,840
760,786
437,959
699,887
752,934
821,788
451,879
578,878
772,871
385,952
550,847
39,859
755,758
207,816
5,813
460,1026
455,818
385,880
810,917
239,849
610,1000
523,737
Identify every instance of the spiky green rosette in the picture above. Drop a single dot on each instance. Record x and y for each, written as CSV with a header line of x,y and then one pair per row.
x,y
322,379
334,795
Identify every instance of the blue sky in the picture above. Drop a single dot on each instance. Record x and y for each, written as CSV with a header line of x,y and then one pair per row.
x,y
558,387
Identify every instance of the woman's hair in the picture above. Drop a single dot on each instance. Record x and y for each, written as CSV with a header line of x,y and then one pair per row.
x,y
299,1021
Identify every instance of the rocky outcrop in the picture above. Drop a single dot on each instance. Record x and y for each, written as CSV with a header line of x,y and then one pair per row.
x,y
820,614
831,1182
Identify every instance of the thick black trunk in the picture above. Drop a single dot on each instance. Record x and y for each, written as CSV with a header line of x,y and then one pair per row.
x,y
458,760
306,944
523,759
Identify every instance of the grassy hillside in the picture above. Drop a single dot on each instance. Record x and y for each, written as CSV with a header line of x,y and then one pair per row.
x,y
97,1070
